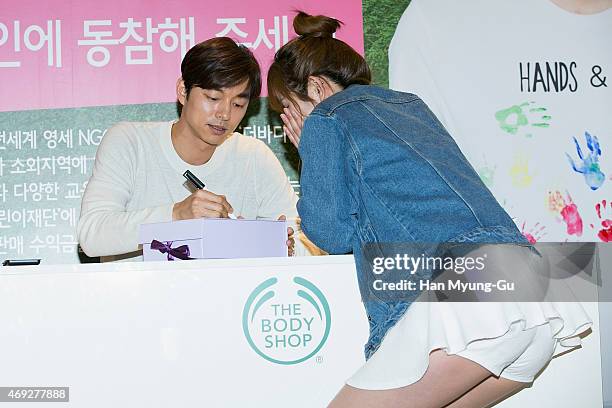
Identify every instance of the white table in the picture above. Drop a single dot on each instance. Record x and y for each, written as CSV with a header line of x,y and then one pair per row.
x,y
177,334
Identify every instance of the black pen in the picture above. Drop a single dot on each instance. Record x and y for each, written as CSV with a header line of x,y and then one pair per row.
x,y
200,186
197,183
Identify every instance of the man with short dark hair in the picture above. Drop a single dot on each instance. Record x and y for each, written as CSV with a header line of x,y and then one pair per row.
x,y
137,177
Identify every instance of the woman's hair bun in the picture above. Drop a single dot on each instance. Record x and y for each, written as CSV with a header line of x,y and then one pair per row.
x,y
315,26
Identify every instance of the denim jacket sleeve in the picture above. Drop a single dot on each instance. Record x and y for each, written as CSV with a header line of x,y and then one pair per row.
x,y
325,203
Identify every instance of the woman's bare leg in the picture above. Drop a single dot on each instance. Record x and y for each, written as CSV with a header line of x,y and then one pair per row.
x,y
446,379
488,393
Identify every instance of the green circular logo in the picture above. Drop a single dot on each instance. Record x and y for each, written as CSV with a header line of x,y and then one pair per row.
x,y
286,322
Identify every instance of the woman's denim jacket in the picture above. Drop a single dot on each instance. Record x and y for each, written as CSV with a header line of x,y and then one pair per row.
x,y
378,167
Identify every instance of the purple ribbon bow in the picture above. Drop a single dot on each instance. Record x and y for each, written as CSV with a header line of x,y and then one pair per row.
x,y
181,252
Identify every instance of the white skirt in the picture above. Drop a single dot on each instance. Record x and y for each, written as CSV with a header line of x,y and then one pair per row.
x,y
403,356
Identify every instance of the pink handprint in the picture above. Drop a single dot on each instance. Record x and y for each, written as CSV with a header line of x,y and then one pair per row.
x,y
604,234
535,233
568,211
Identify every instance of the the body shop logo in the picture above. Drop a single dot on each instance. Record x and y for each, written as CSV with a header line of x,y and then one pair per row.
x,y
286,322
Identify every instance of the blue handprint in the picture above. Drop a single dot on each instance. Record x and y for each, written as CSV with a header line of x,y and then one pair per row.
x,y
589,166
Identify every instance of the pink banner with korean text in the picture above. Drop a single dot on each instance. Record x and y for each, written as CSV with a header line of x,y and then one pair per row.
x,y
69,70
65,54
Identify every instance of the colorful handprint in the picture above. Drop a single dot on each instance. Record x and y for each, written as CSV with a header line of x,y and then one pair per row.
x,y
568,211
588,165
535,233
605,234
520,173
487,173
520,119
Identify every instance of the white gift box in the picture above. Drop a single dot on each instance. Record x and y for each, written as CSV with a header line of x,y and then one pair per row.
x,y
206,238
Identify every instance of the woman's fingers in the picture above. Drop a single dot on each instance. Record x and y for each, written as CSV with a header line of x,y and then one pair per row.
x,y
295,119
295,140
293,122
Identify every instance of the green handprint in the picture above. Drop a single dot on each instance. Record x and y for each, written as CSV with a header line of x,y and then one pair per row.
x,y
516,117
487,173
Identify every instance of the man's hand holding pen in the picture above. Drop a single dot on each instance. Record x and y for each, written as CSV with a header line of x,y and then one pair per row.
x,y
202,204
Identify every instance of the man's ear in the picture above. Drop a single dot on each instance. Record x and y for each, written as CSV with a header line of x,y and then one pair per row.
x,y
181,91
